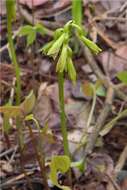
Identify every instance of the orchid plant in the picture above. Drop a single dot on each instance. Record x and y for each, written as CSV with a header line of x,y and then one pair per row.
x,y
61,52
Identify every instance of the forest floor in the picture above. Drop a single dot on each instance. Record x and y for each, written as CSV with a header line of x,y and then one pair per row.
x,y
106,22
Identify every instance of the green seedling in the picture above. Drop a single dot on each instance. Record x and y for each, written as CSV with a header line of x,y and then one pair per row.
x,y
11,13
62,164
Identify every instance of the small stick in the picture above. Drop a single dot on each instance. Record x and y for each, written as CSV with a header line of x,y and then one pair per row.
x,y
100,121
15,179
8,151
121,161
114,184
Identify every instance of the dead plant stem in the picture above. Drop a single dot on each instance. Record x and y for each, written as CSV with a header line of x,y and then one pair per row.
x,y
40,159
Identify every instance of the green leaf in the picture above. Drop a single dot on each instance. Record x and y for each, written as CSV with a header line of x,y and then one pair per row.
x,y
31,38
91,45
62,164
25,30
18,111
30,32
39,28
99,88
122,76
28,104
11,111
55,48
100,91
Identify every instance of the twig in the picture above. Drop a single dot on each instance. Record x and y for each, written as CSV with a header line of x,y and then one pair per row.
x,y
8,151
114,184
117,169
100,122
84,137
15,179
40,159
22,181
119,19
121,161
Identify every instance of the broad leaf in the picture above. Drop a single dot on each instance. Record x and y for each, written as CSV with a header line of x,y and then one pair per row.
x,y
31,37
25,30
39,28
11,111
28,104
62,164
122,76
29,32
100,91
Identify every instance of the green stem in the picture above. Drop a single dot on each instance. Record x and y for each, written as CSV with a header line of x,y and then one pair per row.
x,y
77,11
12,52
62,113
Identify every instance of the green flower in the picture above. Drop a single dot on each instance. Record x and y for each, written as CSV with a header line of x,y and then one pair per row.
x,y
55,48
61,64
71,69
91,45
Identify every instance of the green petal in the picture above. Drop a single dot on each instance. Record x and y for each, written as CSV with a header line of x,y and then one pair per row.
x,y
91,45
46,47
62,60
55,48
71,70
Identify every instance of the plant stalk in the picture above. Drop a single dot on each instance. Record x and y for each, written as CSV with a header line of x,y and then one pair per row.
x,y
62,113
77,11
40,159
13,54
